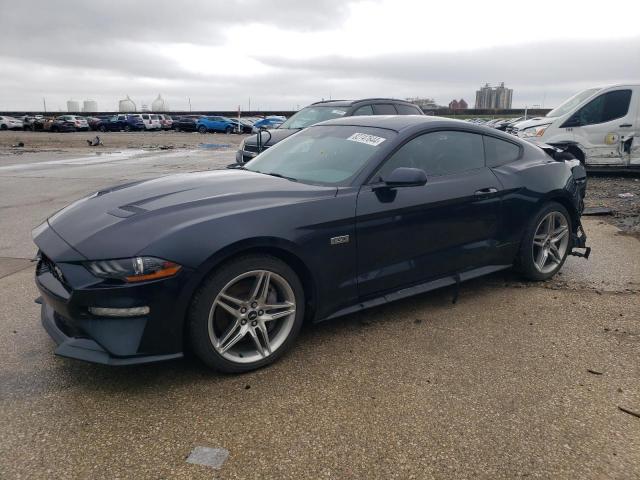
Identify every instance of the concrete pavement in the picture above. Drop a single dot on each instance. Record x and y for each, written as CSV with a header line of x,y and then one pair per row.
x,y
495,386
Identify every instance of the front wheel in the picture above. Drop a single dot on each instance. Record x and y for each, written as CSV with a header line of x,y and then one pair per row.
x,y
228,130
202,129
247,314
546,243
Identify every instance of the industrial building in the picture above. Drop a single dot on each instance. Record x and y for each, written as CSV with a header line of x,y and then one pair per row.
x,y
494,97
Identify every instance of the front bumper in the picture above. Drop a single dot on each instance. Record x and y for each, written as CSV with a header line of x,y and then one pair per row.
x,y
243,156
87,349
68,291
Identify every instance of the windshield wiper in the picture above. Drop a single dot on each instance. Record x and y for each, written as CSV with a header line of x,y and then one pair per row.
x,y
279,175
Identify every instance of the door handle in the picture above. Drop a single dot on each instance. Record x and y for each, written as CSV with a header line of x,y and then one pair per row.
x,y
485,191
626,125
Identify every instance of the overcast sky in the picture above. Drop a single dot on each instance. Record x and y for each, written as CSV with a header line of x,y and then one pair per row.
x,y
284,54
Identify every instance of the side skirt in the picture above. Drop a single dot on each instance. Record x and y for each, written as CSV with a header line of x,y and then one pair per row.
x,y
417,289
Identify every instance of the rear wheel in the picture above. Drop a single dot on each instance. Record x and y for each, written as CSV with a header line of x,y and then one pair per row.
x,y
546,243
247,314
127,128
202,129
4,127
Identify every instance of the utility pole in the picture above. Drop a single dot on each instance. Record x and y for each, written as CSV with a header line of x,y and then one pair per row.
x,y
44,102
189,103
249,110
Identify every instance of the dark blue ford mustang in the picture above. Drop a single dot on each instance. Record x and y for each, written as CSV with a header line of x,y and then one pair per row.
x,y
345,215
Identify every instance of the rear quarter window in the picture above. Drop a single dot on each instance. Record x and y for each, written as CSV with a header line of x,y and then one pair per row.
x,y
500,152
384,109
407,109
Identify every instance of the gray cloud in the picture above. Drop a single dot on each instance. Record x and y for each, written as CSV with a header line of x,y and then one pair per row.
x,y
103,50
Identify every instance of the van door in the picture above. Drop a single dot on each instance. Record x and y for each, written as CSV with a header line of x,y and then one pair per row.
x,y
603,127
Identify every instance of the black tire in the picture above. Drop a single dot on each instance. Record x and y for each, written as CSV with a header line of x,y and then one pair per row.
x,y
4,127
228,130
525,262
202,129
198,318
102,128
127,128
55,129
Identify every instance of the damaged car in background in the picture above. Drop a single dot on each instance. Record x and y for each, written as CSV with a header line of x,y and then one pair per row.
x,y
345,215
599,126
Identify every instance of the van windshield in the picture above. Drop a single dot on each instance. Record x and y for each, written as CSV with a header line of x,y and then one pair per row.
x,y
572,103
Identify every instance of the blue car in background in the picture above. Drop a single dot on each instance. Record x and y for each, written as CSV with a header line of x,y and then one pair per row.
x,y
215,124
269,122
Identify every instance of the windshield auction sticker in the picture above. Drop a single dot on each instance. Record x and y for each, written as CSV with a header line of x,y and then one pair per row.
x,y
366,139
338,112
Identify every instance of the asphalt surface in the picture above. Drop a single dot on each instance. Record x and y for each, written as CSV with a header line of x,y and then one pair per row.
x,y
514,380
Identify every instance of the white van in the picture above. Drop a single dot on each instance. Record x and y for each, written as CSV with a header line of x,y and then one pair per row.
x,y
151,121
600,126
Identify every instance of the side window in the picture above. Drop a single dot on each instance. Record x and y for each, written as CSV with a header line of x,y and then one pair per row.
x,y
384,109
606,107
364,110
438,153
498,152
407,109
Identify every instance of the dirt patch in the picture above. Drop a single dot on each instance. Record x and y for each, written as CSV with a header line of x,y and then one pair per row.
x,y
77,141
605,190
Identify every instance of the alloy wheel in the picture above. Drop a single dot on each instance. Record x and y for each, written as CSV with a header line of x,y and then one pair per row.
x,y
550,242
252,316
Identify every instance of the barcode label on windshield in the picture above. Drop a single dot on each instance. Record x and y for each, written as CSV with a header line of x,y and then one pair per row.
x,y
366,139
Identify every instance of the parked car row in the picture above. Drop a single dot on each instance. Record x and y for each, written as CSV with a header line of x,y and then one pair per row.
x,y
129,122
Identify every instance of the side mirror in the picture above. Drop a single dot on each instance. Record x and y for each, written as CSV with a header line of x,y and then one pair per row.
x,y
405,177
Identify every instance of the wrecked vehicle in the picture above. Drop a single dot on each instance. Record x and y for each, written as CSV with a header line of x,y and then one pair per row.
x,y
599,126
344,215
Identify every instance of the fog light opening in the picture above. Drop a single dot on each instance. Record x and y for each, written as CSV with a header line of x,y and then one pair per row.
x,y
119,312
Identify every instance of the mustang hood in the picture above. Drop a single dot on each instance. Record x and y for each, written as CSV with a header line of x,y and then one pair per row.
x,y
121,221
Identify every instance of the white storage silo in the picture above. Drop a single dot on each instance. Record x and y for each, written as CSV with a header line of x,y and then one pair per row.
x,y
89,106
126,105
73,106
159,105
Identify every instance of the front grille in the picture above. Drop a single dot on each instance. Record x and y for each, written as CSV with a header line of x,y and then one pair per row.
x,y
45,264
253,148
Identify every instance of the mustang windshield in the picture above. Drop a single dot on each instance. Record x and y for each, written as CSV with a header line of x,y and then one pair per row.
x,y
573,102
329,155
311,115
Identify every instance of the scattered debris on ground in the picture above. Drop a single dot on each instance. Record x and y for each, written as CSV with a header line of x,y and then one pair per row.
x,y
630,412
96,142
597,211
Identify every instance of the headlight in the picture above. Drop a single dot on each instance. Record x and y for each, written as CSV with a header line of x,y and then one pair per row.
x,y
138,269
536,131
